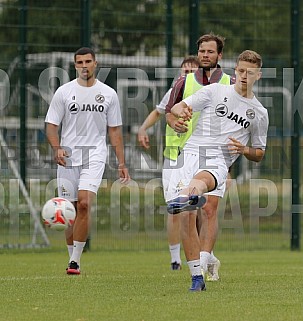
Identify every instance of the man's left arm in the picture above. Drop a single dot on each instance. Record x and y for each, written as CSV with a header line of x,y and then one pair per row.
x,y
116,140
251,153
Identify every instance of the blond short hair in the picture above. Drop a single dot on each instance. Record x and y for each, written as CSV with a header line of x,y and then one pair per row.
x,y
250,56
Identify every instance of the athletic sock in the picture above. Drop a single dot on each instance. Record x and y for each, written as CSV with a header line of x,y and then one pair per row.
x,y
213,258
194,267
70,249
204,259
175,253
77,251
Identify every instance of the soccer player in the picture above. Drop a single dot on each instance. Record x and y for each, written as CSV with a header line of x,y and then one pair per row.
x,y
85,108
189,65
210,52
229,117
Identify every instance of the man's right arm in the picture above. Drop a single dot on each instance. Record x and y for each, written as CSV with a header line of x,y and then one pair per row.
x,y
151,119
53,139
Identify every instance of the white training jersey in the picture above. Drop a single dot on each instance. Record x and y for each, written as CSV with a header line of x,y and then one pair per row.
x,y
85,113
162,105
224,114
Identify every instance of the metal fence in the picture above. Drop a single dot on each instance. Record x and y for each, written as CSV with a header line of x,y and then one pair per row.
x,y
141,40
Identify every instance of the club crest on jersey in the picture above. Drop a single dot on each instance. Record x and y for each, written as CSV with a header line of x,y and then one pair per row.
x,y
221,110
250,113
99,98
73,108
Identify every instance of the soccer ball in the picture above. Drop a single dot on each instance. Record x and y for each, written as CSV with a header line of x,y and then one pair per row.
x,y
58,213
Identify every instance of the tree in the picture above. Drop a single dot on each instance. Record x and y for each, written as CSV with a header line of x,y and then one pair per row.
x,y
139,26
127,27
45,31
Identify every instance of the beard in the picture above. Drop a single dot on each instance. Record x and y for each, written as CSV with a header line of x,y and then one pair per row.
x,y
211,65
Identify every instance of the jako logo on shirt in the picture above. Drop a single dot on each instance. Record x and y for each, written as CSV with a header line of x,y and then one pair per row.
x,y
239,120
221,110
73,108
93,107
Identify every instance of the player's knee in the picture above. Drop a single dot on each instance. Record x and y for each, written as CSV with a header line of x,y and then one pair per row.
x,y
82,206
209,211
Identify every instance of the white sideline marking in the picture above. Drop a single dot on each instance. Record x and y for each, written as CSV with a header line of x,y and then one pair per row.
x,y
15,278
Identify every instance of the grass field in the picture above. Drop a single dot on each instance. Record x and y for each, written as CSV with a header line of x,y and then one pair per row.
x,y
126,275
138,285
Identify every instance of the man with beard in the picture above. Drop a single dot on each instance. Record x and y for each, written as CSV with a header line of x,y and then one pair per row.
x,y
210,51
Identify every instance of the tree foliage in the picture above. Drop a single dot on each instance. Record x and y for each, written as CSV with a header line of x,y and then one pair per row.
x,y
126,27
50,26
140,26
263,26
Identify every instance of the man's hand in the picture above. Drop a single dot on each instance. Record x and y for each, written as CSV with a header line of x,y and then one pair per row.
x,y
181,110
252,154
235,147
143,138
60,155
123,174
179,125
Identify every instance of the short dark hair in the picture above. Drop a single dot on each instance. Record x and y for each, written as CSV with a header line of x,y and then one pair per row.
x,y
191,60
212,37
85,51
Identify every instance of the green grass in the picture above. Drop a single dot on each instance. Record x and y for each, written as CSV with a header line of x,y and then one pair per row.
x,y
138,285
126,275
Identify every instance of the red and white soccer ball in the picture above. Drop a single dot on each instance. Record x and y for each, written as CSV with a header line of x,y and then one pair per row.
x,y
58,213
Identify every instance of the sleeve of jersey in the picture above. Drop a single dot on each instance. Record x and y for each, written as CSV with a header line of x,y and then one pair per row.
x,y
114,117
199,99
259,135
56,109
176,94
162,105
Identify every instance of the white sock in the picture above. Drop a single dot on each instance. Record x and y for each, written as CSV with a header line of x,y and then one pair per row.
x,y
77,251
194,267
204,259
175,253
70,249
212,258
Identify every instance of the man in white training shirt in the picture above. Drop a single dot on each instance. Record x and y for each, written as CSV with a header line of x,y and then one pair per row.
x,y
230,117
86,109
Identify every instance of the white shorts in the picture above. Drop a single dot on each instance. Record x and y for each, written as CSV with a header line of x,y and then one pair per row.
x,y
169,167
73,179
178,174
